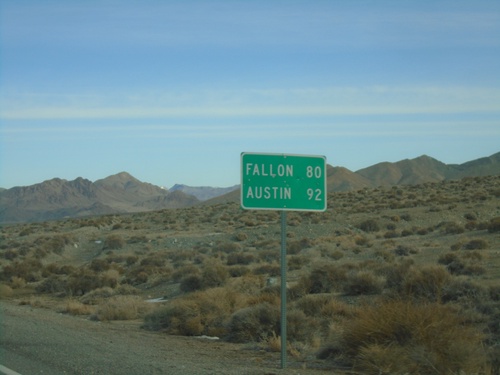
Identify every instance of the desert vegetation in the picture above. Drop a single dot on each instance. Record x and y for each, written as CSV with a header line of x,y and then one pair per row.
x,y
402,280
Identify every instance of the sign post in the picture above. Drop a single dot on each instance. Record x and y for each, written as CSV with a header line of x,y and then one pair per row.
x,y
285,183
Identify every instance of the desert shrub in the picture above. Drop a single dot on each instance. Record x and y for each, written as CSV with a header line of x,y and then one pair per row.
x,y
463,290
335,254
216,308
406,232
254,323
384,254
122,308
238,271
99,265
17,283
300,327
448,258
363,282
228,247
52,285
405,250
154,261
57,243
137,239
361,240
214,274
369,225
426,282
451,227
96,296
470,216
477,244
10,254
191,282
494,225
471,225
114,242
325,278
131,260
240,258
241,236
27,269
495,292
295,247
182,317
205,312
399,337
267,269
180,273
86,280
296,262
323,306
396,273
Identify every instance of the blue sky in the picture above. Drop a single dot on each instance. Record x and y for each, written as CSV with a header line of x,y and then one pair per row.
x,y
174,91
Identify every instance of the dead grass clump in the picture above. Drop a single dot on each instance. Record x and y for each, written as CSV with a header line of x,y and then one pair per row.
x,y
17,283
122,308
426,282
5,291
73,307
400,337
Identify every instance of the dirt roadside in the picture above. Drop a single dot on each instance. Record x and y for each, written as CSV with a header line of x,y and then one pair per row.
x,y
36,340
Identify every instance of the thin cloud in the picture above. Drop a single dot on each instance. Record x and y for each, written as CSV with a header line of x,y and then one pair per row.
x,y
349,101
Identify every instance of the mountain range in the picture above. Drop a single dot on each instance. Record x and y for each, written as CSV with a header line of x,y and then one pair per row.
x,y
122,193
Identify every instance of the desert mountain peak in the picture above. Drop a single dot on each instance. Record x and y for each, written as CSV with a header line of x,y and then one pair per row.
x,y
121,193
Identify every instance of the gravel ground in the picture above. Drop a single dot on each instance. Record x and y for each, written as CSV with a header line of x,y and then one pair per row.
x,y
41,341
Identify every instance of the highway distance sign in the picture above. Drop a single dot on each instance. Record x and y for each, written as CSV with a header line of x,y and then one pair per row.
x,y
283,182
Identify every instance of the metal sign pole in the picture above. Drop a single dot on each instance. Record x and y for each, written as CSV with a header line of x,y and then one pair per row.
x,y
283,289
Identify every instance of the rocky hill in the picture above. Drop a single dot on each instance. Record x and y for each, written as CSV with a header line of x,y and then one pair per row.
x,y
405,172
122,193
57,198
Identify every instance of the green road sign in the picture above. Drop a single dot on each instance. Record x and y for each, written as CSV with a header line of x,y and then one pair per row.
x,y
283,182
